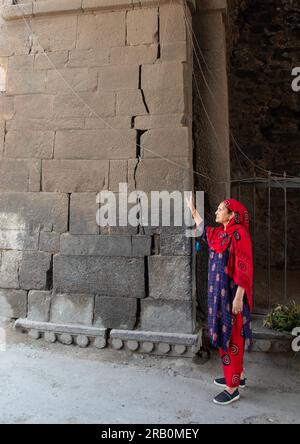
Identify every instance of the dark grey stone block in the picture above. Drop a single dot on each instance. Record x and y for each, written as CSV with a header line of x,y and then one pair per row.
x,y
39,305
113,312
107,276
35,270
13,304
175,245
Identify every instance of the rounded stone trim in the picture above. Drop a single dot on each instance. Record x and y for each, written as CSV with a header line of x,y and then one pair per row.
x,y
148,346
82,341
117,343
66,339
132,345
34,334
163,347
100,342
50,336
180,349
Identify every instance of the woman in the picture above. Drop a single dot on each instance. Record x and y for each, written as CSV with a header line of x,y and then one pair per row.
x,y
230,272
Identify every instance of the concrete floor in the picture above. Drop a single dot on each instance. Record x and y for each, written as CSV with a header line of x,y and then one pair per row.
x,y
52,383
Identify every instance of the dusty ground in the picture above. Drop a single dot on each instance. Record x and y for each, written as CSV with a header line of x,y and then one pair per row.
x,y
43,383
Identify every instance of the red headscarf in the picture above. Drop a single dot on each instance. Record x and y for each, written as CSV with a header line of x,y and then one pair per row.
x,y
240,262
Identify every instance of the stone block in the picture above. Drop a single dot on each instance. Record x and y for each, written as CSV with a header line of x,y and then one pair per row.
x,y
6,107
20,175
31,144
160,121
170,278
33,106
33,211
23,82
39,305
141,245
130,103
114,312
56,6
118,122
13,304
83,210
49,242
72,309
162,75
166,101
117,174
159,174
9,269
80,79
2,136
175,245
175,51
95,144
142,26
172,23
90,105
58,59
133,55
117,221
170,142
88,57
18,240
107,276
35,271
13,38
21,63
68,176
167,316
45,124
100,30
118,77
95,245
55,33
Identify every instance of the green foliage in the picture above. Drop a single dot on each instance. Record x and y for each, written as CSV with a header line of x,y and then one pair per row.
x,y
284,317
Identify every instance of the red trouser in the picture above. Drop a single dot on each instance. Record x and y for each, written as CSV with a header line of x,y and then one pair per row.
x,y
232,359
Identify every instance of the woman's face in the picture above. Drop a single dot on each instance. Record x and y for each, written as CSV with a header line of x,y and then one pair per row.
x,y
222,214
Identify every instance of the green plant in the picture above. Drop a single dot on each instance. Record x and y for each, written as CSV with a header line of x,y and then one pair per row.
x,y
284,317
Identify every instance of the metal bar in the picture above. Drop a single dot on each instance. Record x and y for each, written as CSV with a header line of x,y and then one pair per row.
x,y
269,242
285,242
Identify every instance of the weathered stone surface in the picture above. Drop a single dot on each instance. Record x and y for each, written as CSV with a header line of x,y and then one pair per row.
x,y
166,101
33,106
133,55
169,142
20,175
20,82
159,174
142,26
118,170
50,59
88,57
167,316
32,144
2,135
72,309
141,245
88,105
95,144
13,39
118,77
83,210
35,270
65,338
21,62
120,211
118,122
49,242
18,240
13,304
82,341
54,33
33,211
162,75
130,103
175,51
68,176
172,23
101,30
98,245
114,312
9,270
170,278
39,305
175,245
6,107
55,6
79,79
160,121
101,275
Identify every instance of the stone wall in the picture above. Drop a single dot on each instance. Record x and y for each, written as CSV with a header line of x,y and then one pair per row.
x,y
109,97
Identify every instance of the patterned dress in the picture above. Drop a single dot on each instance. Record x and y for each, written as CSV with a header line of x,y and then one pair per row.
x,y
221,292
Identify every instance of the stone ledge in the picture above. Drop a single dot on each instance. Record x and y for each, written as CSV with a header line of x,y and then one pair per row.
x,y
35,9
155,343
211,5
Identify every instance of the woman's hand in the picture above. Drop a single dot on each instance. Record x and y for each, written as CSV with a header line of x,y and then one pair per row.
x,y
237,305
195,215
